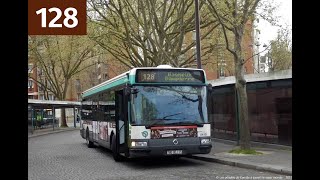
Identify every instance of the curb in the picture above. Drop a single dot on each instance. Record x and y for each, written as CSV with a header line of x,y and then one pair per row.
x,y
51,132
255,144
249,165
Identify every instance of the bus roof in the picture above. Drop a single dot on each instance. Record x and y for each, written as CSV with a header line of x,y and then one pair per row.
x,y
127,78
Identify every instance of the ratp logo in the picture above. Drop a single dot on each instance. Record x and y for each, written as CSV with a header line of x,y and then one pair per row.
x,y
144,134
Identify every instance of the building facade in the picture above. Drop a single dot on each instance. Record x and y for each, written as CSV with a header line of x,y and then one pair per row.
x,y
32,84
222,62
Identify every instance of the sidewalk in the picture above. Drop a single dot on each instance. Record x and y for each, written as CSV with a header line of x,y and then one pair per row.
x,y
46,131
274,159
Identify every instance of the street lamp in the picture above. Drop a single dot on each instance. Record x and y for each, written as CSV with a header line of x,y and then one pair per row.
x,y
197,34
258,45
269,61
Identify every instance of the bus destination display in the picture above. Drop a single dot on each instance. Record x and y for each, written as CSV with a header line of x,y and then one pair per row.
x,y
169,76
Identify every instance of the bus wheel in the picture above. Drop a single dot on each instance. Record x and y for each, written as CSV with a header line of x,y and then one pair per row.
x,y
89,143
116,156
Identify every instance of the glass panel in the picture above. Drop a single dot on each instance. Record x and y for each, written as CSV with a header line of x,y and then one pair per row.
x,y
169,105
270,113
269,106
223,112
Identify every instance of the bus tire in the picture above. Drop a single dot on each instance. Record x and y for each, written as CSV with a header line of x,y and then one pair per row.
x,y
89,143
116,156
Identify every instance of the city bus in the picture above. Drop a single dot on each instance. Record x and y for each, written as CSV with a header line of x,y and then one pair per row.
x,y
149,111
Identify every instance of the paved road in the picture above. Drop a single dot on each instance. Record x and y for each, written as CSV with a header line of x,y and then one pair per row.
x,y
65,156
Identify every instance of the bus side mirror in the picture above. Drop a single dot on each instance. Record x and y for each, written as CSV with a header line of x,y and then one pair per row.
x,y
129,90
134,91
209,88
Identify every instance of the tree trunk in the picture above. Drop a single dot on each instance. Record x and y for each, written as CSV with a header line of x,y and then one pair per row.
x,y
63,110
241,90
63,118
243,108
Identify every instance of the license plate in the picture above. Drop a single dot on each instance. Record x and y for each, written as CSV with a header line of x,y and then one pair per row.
x,y
171,152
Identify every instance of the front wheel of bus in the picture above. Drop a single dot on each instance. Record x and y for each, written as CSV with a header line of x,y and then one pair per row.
x,y
116,156
89,143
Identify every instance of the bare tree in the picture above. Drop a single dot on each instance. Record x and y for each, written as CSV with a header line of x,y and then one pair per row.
x,y
148,33
233,15
60,58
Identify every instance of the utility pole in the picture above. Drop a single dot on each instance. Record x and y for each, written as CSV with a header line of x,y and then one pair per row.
x,y
197,34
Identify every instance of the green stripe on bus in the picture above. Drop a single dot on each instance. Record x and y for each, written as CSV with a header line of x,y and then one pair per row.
x,y
118,82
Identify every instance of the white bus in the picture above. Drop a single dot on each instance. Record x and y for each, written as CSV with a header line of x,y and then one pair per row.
x,y
152,111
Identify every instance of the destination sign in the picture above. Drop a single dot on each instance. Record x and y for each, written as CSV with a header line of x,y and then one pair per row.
x,y
169,76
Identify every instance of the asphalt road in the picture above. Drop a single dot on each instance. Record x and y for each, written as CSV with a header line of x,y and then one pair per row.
x,y
66,156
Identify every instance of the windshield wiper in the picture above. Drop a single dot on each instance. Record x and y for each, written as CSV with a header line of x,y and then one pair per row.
x,y
165,117
162,119
187,123
156,122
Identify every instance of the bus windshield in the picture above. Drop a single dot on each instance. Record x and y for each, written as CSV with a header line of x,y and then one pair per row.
x,y
164,105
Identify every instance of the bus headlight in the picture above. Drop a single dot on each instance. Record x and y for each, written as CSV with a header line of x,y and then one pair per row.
x,y
206,141
138,144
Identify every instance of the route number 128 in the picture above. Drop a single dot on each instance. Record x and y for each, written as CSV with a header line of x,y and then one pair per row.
x,y
52,24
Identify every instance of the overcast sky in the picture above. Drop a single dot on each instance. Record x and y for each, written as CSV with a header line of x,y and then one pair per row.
x,y
269,32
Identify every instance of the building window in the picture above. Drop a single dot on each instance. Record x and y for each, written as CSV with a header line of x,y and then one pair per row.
x,y
41,97
30,68
105,76
221,72
51,97
40,72
30,84
40,87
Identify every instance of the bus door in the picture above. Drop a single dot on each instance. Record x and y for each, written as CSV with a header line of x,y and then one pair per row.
x,y
95,121
121,104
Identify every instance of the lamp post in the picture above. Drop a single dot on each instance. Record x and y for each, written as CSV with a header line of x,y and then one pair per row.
x,y
269,61
258,45
197,34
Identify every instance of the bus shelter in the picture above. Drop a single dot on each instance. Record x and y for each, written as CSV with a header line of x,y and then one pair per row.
x,y
41,113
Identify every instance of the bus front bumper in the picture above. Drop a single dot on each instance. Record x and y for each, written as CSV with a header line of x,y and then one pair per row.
x,y
170,150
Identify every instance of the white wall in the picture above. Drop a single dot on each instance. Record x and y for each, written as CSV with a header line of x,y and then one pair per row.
x,y
69,115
